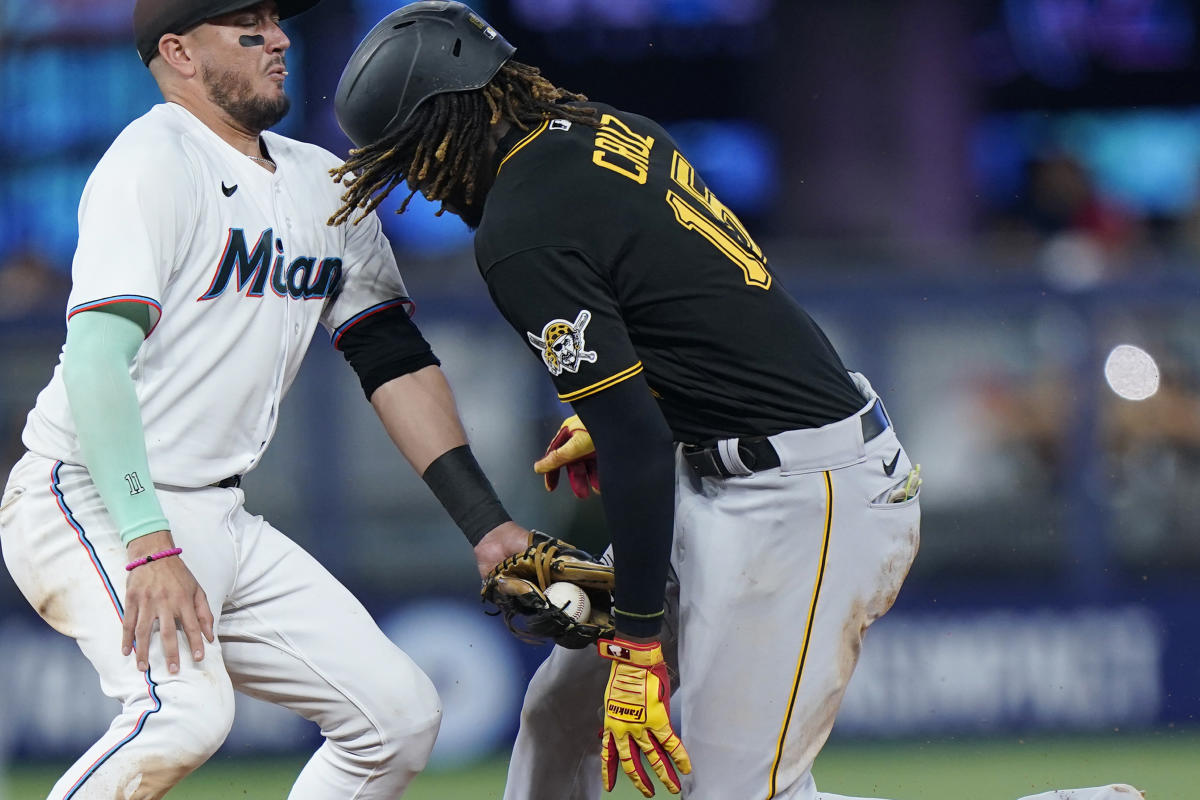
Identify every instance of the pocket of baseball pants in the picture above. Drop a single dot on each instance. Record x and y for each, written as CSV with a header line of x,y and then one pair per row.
x,y
902,493
9,502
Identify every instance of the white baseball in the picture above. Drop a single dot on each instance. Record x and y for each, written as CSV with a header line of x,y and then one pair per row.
x,y
571,599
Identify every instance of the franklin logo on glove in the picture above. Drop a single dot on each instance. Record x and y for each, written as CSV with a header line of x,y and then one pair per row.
x,y
627,713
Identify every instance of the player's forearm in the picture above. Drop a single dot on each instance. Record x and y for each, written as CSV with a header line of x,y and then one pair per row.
x,y
418,413
639,507
99,350
635,455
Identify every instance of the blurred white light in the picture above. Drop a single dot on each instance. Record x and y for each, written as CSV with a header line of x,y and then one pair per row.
x,y
1131,372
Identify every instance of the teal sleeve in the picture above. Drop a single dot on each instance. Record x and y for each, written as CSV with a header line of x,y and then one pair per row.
x,y
100,348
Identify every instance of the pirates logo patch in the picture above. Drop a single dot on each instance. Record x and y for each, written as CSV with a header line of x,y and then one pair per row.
x,y
561,344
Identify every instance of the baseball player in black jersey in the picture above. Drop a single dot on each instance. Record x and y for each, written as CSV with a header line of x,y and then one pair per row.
x,y
761,509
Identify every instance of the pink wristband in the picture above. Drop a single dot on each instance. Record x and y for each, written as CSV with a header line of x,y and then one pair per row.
x,y
132,565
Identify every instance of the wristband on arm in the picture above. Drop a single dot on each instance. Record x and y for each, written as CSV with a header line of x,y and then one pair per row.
x,y
459,484
144,560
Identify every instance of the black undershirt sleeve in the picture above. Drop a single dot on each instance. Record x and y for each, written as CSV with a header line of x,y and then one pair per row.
x,y
635,456
385,346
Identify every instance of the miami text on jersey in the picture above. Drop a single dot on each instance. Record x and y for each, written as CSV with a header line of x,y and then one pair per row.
x,y
302,279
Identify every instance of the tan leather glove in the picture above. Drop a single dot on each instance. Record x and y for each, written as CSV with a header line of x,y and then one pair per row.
x,y
517,587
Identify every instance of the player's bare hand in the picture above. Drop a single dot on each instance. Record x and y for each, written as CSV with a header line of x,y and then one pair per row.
x,y
500,542
166,592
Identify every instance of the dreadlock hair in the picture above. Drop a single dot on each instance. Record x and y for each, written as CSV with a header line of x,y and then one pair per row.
x,y
444,142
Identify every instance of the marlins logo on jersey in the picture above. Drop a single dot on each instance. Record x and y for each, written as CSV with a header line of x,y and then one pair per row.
x,y
561,344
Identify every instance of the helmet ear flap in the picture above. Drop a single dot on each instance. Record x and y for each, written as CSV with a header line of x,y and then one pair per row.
x,y
416,52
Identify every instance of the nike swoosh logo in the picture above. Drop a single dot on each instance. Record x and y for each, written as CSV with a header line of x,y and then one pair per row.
x,y
228,190
889,468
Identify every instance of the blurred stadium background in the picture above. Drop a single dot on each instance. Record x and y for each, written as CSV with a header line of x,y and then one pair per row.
x,y
980,200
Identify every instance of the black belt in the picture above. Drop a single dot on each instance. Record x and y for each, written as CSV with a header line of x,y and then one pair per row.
x,y
232,482
757,452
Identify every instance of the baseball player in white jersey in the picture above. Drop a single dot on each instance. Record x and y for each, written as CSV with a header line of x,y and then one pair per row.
x,y
203,267
763,512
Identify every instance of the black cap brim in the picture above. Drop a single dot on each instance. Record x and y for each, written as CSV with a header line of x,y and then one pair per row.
x,y
153,19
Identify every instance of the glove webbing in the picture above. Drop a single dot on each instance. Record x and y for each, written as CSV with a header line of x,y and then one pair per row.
x,y
543,556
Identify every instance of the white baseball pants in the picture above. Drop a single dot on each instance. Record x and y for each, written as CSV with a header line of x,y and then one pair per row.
x,y
777,574
775,578
287,632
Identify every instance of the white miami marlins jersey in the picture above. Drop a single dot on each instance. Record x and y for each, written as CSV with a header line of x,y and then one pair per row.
x,y
236,266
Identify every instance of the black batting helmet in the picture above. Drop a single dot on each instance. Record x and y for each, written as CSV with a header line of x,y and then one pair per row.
x,y
153,19
418,51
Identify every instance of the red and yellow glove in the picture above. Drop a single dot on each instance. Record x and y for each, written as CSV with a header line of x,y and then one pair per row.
x,y
637,710
572,448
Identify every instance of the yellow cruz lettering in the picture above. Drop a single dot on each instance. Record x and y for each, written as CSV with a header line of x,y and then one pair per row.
x,y
631,151
719,225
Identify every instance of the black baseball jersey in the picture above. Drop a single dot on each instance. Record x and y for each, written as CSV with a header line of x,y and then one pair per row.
x,y
610,257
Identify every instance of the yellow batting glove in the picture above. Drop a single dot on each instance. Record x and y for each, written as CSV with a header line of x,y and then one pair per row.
x,y
572,448
637,710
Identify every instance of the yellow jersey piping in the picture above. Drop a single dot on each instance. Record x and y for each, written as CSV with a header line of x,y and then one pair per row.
x,y
611,380
529,138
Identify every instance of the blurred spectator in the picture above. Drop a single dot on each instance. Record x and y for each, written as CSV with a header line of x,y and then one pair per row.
x,y
1153,449
31,286
1064,227
1087,236
1184,236
1029,420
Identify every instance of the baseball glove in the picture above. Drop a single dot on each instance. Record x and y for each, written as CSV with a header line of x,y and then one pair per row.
x,y
517,587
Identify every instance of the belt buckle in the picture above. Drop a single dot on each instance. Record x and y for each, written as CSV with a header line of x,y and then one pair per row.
x,y
706,462
748,452
713,458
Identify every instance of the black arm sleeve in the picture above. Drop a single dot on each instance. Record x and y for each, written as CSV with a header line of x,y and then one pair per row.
x,y
385,346
635,455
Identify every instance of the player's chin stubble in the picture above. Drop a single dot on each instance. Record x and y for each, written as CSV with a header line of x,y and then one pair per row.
x,y
232,93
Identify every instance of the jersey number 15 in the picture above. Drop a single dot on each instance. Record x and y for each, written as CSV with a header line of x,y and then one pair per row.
x,y
697,209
